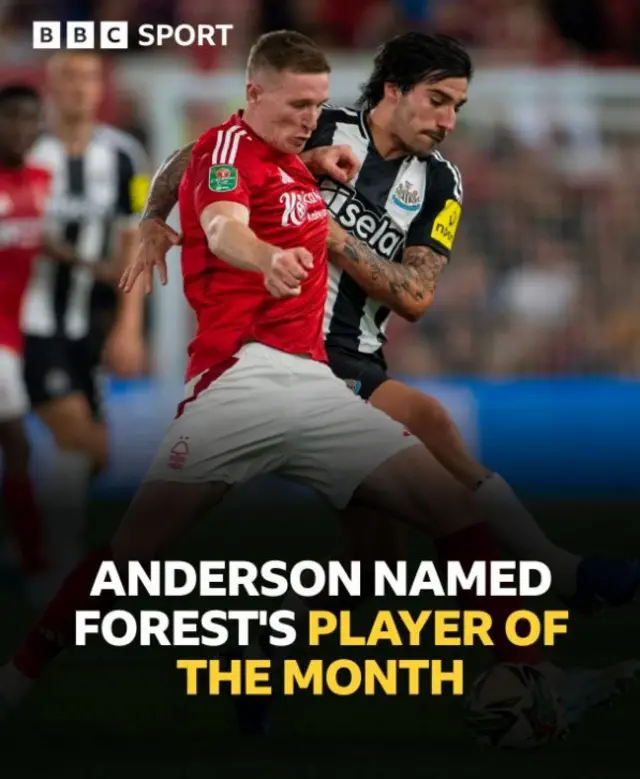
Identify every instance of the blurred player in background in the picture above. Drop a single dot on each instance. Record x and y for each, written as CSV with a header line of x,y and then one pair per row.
x,y
23,193
25,190
97,180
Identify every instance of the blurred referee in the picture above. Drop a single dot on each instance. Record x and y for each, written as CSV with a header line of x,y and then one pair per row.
x,y
71,317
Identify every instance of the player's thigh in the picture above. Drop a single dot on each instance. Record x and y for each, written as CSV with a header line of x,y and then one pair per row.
x,y
159,514
90,380
54,378
14,406
14,400
48,369
231,426
430,421
415,487
88,374
348,450
362,374
422,414
340,439
71,423
368,535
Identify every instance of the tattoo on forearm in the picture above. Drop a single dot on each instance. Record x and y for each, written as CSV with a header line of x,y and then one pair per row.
x,y
163,193
415,277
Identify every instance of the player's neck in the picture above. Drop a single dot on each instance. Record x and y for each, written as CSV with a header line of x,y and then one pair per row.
x,y
386,143
75,135
253,123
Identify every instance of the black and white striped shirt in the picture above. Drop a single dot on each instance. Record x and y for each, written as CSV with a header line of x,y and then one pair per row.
x,y
390,204
90,196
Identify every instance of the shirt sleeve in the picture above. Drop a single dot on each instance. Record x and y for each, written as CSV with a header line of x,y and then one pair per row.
x,y
437,223
219,177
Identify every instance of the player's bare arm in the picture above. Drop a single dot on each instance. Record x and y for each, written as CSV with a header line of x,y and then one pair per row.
x,y
125,349
407,288
163,192
226,226
155,237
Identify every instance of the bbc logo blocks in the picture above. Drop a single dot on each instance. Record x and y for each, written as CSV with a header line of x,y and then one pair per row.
x,y
81,35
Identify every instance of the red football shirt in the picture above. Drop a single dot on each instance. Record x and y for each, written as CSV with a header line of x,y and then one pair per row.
x,y
232,306
23,195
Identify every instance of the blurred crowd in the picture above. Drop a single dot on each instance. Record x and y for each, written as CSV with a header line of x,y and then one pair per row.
x,y
543,278
606,32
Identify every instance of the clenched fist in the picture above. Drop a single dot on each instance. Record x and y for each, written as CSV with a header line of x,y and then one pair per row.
x,y
286,272
338,162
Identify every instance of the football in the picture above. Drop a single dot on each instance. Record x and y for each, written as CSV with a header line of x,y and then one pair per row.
x,y
514,706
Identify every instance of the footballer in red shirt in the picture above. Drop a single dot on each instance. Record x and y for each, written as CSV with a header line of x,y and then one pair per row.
x,y
23,194
231,164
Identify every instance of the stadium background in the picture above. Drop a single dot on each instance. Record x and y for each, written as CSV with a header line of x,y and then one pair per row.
x,y
533,343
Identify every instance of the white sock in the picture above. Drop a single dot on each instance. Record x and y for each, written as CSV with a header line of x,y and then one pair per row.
x,y
65,499
518,531
13,685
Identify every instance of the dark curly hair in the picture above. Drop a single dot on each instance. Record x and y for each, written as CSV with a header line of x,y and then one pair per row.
x,y
413,58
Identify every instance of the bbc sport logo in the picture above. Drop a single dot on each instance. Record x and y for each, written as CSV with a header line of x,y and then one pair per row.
x,y
115,35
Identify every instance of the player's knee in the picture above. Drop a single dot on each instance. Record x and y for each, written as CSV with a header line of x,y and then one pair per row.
x,y
74,437
414,485
429,418
84,437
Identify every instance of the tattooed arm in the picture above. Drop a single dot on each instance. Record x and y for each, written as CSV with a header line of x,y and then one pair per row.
x,y
163,192
407,288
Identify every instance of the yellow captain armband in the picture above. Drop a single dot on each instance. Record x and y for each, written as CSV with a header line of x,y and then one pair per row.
x,y
138,191
446,224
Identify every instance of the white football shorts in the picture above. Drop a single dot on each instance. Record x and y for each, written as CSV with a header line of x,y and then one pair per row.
x,y
273,412
14,401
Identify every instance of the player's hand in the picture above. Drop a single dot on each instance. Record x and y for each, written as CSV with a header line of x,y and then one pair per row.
x,y
155,239
286,272
338,162
125,353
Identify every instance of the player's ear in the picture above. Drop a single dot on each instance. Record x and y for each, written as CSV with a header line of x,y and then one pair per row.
x,y
391,92
253,93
